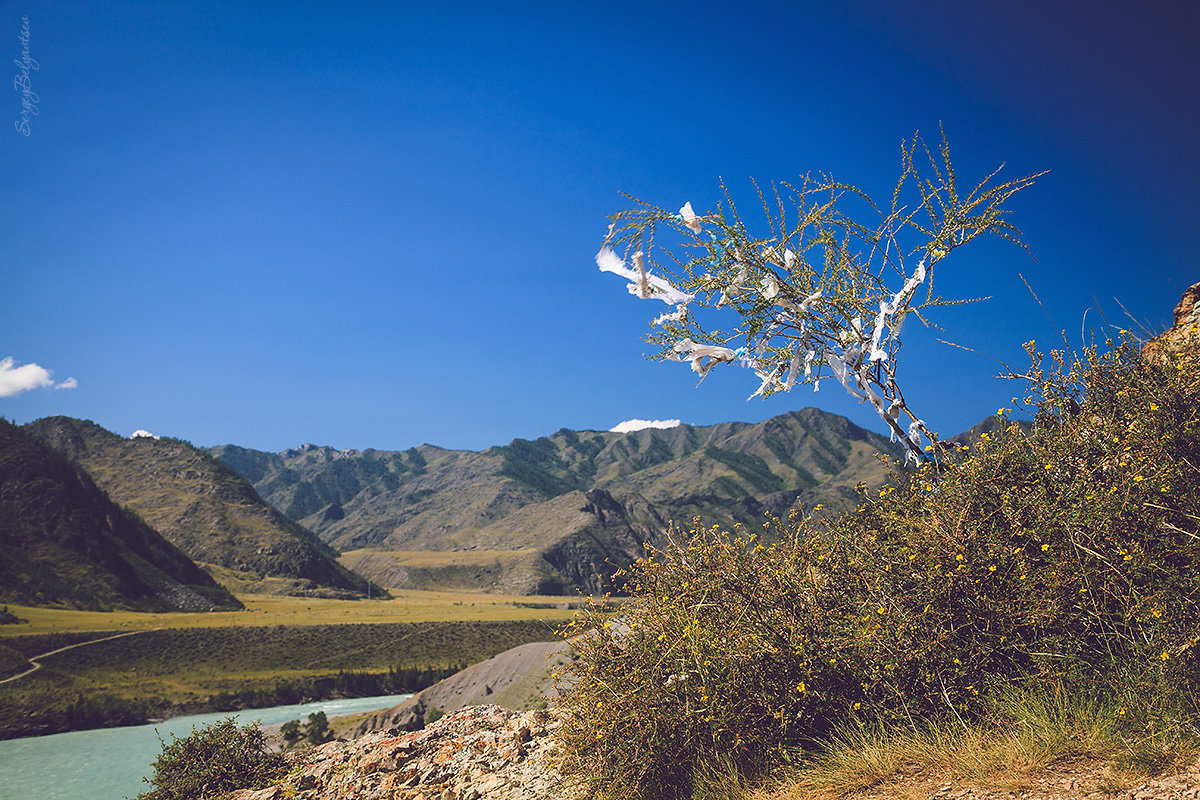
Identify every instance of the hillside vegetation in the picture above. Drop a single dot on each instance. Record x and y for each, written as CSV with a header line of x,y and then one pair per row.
x,y
1045,584
561,513
203,508
65,542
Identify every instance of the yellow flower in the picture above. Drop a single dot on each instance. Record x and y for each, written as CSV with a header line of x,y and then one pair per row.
x,y
992,568
1164,655
1045,547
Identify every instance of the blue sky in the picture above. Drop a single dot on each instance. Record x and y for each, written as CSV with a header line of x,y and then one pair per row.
x,y
374,226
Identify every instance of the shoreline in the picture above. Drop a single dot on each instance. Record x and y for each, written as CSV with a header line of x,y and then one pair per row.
x,y
174,712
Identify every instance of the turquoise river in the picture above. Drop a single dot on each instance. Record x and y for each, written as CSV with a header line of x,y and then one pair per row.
x,y
109,763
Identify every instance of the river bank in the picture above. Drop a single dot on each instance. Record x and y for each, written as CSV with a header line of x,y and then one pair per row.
x,y
170,672
108,711
110,763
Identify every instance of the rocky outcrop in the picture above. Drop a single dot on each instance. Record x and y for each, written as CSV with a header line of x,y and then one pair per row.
x,y
489,752
1184,334
478,752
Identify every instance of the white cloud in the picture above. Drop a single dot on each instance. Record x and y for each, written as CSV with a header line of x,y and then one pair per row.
x,y
141,434
14,379
630,425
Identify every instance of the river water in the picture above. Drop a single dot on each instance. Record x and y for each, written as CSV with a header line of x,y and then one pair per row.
x,y
109,763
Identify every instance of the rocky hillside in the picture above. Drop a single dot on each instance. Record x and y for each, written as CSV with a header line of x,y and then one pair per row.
x,y
478,752
203,508
561,512
431,498
65,542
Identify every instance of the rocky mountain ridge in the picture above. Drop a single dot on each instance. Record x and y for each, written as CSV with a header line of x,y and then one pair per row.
x,y
205,509
562,512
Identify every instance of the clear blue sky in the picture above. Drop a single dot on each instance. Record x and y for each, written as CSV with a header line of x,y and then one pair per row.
x,y
373,225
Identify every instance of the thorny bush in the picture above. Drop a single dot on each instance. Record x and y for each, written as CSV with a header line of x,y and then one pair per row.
x,y
1064,557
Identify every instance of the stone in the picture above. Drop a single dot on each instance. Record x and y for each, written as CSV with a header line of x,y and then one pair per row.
x,y
476,752
1184,334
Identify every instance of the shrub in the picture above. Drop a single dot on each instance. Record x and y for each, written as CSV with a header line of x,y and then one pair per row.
x,y
316,730
1065,559
212,760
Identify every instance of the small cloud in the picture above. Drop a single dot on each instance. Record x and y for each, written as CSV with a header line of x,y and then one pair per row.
x,y
140,434
14,379
630,425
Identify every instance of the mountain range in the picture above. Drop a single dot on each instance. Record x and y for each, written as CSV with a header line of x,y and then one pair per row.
x,y
555,515
559,513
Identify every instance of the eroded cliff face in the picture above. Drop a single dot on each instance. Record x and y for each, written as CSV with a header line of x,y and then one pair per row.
x,y
477,752
1184,334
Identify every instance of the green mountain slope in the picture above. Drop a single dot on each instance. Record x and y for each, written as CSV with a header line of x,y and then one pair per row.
x,y
65,542
529,510
204,508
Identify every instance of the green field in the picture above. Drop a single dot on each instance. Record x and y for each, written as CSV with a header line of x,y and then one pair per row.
x,y
278,650
266,609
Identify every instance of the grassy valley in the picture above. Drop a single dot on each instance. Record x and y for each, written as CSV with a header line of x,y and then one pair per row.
x,y
278,650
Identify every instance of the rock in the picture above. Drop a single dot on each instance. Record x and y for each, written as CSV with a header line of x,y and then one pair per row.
x,y
476,752
1184,334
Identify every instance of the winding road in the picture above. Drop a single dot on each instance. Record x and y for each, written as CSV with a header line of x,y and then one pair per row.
x,y
36,666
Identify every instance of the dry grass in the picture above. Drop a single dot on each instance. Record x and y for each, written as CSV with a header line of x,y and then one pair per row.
x,y
435,558
1076,741
266,609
